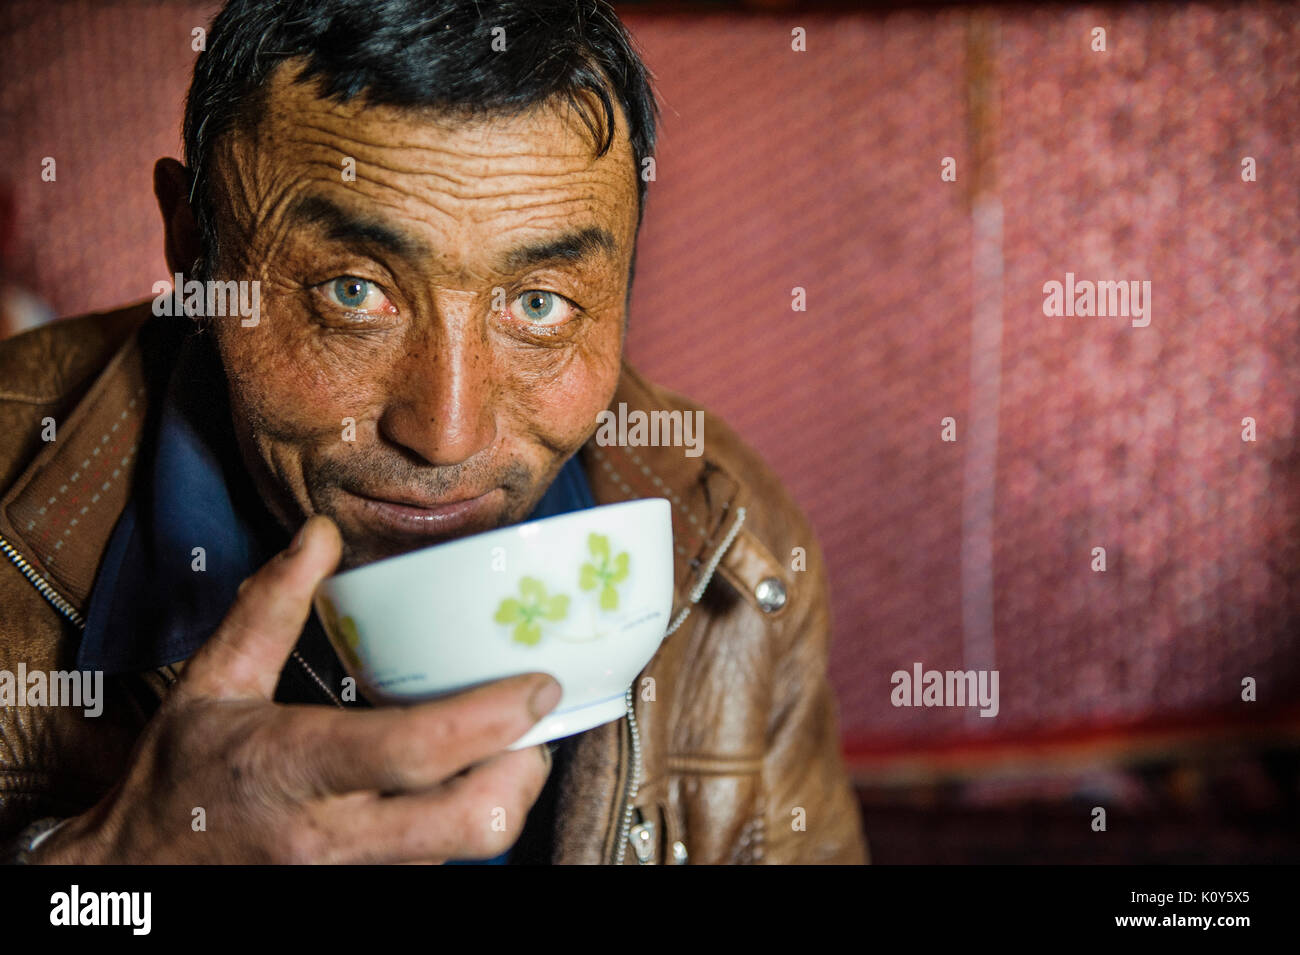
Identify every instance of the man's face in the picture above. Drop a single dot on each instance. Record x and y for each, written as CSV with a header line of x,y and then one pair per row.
x,y
437,336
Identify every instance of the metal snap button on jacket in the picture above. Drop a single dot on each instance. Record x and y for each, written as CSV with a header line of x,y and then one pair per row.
x,y
770,594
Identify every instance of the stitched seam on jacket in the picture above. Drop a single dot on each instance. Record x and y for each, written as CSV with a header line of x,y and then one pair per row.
x,y
659,483
708,539
626,488
102,466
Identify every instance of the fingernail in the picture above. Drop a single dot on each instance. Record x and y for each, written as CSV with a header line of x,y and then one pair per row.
x,y
295,545
544,698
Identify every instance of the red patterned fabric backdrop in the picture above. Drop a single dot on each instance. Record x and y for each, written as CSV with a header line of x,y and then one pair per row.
x,y
822,170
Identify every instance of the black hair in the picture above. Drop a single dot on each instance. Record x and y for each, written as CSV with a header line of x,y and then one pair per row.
x,y
417,53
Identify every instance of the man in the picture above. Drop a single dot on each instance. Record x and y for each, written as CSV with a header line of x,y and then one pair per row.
x,y
434,218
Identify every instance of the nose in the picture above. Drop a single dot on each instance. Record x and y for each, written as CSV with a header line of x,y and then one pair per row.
x,y
441,398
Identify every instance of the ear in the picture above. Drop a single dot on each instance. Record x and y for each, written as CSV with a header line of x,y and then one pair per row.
x,y
171,186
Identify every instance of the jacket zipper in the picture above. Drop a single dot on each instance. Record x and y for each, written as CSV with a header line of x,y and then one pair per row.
x,y
633,778
319,682
61,604
633,785
42,585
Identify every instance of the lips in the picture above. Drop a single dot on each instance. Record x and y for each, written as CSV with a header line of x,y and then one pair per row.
x,y
405,499
398,514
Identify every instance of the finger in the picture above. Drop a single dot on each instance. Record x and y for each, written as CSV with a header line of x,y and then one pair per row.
x,y
477,815
246,654
408,748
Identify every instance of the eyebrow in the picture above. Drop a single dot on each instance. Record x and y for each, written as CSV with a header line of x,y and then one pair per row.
x,y
341,225
574,246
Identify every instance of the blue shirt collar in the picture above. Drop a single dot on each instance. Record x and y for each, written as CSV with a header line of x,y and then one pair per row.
x,y
194,528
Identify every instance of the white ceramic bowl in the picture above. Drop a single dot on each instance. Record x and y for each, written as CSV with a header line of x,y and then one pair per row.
x,y
583,596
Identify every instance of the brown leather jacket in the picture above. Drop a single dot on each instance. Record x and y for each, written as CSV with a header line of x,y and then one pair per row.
x,y
736,760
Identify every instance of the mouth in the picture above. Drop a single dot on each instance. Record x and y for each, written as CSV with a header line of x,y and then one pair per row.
x,y
408,516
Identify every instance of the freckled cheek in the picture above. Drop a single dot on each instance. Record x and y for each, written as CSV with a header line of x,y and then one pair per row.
x,y
563,405
293,396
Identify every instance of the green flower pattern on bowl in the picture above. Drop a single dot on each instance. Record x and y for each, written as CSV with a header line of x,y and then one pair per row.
x,y
344,631
536,605
606,574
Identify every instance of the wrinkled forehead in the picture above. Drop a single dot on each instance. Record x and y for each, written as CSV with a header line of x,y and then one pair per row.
x,y
535,170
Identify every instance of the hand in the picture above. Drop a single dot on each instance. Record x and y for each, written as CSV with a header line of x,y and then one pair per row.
x,y
297,784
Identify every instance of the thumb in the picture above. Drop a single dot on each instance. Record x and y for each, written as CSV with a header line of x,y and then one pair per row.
x,y
245,656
